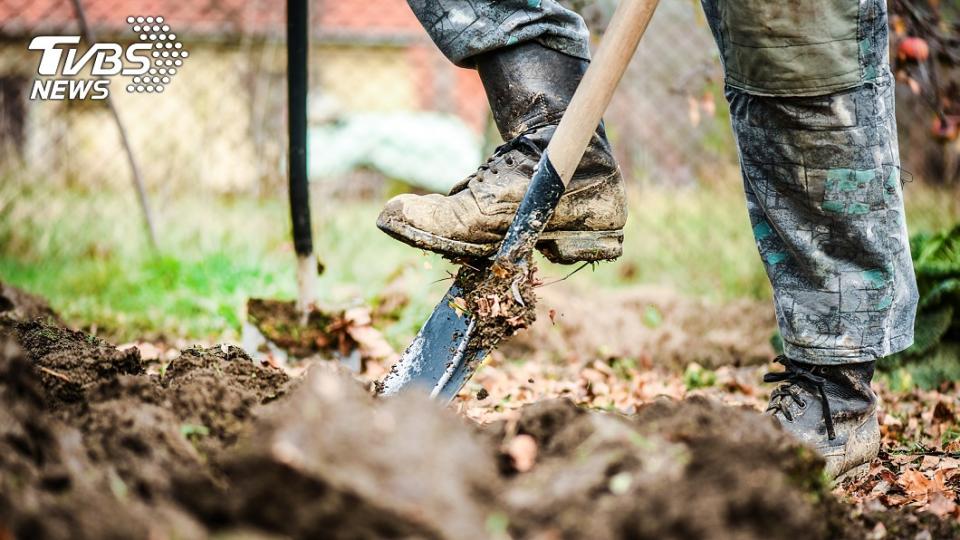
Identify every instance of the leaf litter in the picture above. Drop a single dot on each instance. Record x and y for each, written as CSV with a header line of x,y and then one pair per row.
x,y
216,444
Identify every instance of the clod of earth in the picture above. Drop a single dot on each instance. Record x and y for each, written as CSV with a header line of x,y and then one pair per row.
x,y
94,445
324,333
502,299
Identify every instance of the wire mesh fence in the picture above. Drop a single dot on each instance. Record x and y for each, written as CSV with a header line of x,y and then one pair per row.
x,y
384,103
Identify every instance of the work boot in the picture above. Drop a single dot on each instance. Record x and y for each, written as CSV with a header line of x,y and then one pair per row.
x,y
832,409
528,87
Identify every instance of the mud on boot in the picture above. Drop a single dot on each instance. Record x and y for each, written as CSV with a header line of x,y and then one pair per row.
x,y
528,86
830,408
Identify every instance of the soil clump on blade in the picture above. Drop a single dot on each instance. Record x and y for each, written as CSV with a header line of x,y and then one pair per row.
x,y
501,297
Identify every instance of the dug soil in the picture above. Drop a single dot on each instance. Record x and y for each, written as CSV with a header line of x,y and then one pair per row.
x,y
96,442
632,322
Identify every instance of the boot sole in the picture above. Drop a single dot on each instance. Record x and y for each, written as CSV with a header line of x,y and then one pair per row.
x,y
560,247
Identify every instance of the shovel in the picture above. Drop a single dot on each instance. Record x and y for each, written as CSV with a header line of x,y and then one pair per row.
x,y
453,341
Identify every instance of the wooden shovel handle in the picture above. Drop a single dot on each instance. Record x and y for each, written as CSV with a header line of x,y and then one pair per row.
x,y
583,115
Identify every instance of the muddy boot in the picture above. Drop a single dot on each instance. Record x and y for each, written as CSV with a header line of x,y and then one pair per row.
x,y
832,409
528,86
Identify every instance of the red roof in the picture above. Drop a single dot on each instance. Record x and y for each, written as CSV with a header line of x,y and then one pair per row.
x,y
367,17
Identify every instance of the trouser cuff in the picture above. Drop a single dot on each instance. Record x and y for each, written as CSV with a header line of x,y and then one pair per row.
x,y
833,357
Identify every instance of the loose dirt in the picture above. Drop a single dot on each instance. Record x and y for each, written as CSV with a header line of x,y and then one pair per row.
x,y
279,321
98,443
23,305
326,333
645,322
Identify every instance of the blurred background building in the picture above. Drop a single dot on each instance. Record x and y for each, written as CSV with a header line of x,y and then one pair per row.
x,y
385,104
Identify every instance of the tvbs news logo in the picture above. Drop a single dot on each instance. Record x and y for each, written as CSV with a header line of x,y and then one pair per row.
x,y
147,66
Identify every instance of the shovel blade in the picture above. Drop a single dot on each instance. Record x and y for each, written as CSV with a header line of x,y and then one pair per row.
x,y
446,351
439,360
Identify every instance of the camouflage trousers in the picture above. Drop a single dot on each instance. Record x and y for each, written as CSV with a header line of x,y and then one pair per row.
x,y
812,107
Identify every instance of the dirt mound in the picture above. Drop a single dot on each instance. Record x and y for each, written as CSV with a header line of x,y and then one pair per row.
x,y
91,433
645,322
19,304
332,462
275,329
691,469
97,443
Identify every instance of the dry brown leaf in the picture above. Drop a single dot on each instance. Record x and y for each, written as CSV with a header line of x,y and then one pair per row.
x,y
693,111
499,271
708,104
947,462
495,309
942,503
903,459
893,500
879,531
914,85
939,482
359,316
370,341
881,488
915,483
459,305
592,375
522,450
929,463
942,413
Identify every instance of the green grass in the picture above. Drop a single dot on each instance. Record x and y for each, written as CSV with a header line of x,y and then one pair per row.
x,y
86,253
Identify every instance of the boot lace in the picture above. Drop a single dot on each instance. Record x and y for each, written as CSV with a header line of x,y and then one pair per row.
x,y
794,376
517,143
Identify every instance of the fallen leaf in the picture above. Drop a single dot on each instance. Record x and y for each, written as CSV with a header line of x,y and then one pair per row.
x,y
359,316
522,450
949,462
459,305
929,463
942,413
370,341
914,85
894,500
881,488
693,111
879,531
708,104
915,483
903,459
942,503
939,482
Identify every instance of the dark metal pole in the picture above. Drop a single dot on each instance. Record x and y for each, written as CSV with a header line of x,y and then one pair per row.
x,y
297,48
297,104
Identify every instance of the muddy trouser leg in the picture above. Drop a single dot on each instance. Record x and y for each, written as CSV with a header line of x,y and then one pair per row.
x,y
465,28
812,108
